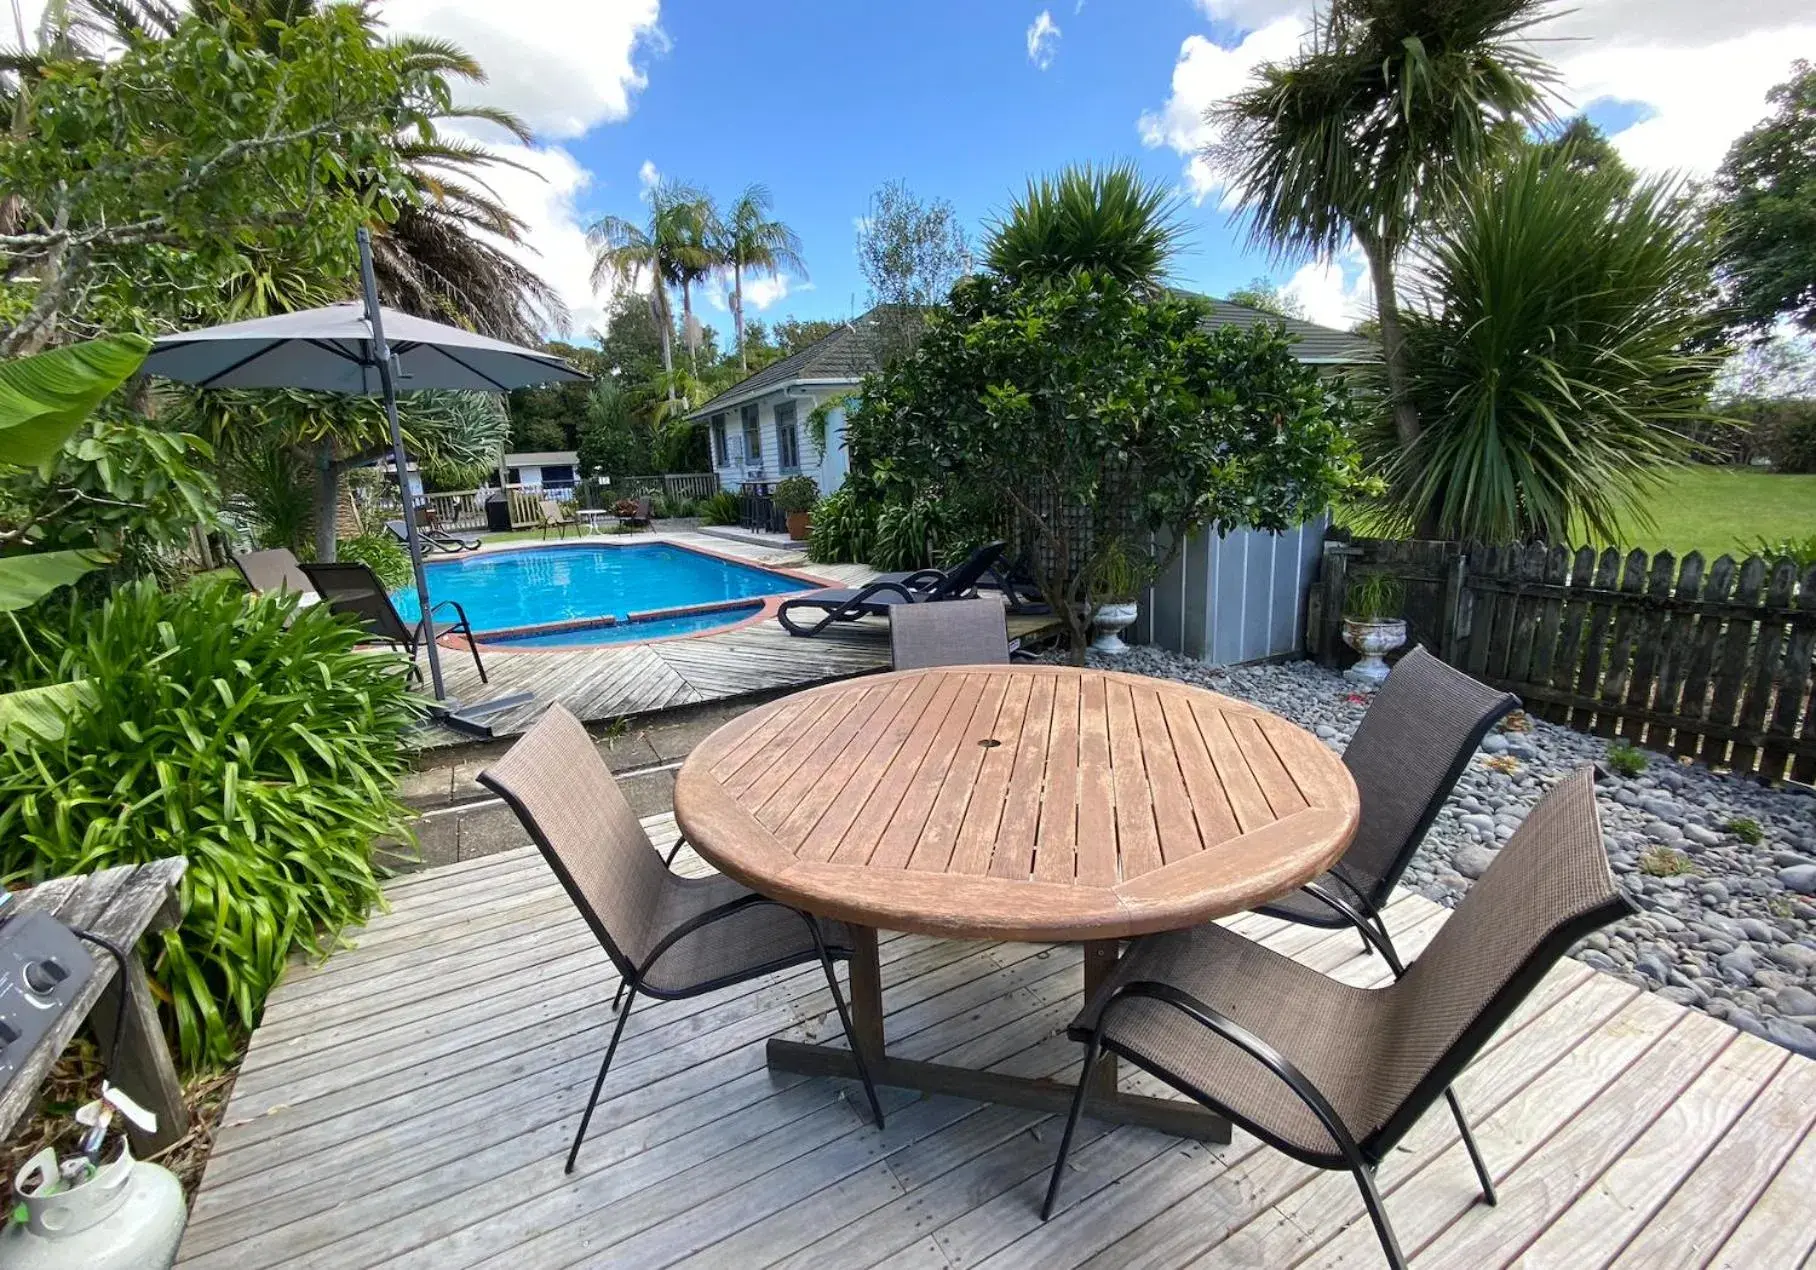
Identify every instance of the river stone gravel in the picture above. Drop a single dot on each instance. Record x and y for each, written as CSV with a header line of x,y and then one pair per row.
x,y
1726,927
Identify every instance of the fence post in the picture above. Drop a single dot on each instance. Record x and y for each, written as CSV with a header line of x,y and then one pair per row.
x,y
1454,614
1334,583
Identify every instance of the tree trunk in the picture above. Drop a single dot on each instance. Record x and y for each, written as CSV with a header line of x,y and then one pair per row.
x,y
659,303
687,324
1393,338
327,500
737,313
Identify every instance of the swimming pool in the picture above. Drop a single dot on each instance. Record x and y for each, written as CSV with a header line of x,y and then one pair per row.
x,y
509,595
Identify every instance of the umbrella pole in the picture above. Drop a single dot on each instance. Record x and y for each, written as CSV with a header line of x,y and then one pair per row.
x,y
381,353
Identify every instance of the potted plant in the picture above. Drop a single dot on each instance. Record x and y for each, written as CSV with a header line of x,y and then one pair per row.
x,y
1372,624
1120,578
794,498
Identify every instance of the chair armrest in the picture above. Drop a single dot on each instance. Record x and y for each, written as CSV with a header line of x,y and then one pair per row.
x,y
878,588
1354,917
723,911
459,612
1269,1057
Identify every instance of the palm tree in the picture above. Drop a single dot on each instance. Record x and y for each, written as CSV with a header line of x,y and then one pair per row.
x,y
671,249
696,255
1367,130
750,240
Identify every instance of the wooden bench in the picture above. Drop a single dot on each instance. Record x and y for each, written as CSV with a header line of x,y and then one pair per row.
x,y
120,905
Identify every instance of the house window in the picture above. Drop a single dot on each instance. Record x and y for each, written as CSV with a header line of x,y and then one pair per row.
x,y
788,440
721,458
753,439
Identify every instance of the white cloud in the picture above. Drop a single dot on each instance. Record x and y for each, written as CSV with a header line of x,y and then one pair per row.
x,y
565,66
547,198
1206,73
759,292
1334,292
1043,40
647,176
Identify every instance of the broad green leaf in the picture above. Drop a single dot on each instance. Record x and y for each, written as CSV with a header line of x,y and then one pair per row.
x,y
39,714
45,397
24,580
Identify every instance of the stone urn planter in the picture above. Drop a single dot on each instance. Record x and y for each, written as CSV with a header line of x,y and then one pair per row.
x,y
1372,638
1109,621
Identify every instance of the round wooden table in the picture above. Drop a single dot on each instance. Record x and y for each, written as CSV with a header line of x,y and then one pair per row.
x,y
1026,802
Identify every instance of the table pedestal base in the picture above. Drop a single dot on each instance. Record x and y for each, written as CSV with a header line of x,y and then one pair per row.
x,y
1168,1115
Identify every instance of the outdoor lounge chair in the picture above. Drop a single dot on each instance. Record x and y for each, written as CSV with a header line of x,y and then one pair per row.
x,y
552,515
645,512
877,598
963,633
275,569
432,538
355,590
1408,752
1335,1075
669,936
975,565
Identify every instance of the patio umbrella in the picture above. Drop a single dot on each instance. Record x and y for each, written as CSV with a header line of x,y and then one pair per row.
x,y
358,347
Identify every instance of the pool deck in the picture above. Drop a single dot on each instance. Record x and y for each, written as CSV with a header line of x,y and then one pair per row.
x,y
620,681
408,1103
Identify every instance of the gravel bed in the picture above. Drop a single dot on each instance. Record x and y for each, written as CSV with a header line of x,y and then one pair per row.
x,y
1726,926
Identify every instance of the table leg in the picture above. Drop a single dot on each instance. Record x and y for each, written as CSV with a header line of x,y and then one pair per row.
x,y
1169,1115
145,1070
866,992
1100,960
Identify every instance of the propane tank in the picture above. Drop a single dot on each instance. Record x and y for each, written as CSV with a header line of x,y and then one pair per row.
x,y
123,1215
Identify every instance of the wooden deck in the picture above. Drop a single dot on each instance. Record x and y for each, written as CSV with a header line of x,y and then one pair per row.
x,y
612,681
409,1104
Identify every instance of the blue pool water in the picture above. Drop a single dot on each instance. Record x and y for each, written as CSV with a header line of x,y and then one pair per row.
x,y
630,632
539,585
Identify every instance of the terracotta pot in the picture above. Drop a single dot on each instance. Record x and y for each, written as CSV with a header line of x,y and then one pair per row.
x,y
799,523
1372,639
1109,622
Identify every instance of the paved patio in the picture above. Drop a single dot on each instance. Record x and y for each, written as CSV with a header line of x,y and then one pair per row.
x,y
409,1103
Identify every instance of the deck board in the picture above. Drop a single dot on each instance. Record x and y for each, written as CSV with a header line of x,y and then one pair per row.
x,y
409,1103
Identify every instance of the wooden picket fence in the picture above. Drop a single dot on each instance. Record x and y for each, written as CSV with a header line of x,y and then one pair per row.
x,y
1713,662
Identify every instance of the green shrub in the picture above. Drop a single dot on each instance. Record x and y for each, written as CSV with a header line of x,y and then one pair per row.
x,y
250,738
381,553
796,494
1625,758
1374,597
844,528
907,534
1790,435
1802,550
721,509
1747,829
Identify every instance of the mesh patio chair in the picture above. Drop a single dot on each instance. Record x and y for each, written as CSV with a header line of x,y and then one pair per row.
x,y
1335,1075
879,596
669,936
275,569
962,633
552,515
353,589
1407,755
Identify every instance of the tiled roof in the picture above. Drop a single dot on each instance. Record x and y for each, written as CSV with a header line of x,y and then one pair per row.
x,y
849,353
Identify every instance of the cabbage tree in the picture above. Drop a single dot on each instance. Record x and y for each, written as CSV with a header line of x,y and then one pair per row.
x,y
1559,350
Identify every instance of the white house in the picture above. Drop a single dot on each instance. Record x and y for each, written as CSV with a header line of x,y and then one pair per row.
x,y
542,467
758,427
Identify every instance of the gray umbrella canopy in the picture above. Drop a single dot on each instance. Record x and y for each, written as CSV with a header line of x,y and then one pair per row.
x,y
359,347
330,349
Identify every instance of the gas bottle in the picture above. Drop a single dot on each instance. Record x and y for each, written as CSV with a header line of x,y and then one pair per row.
x,y
126,1214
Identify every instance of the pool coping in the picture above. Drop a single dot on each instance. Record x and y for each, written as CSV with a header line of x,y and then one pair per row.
x,y
767,604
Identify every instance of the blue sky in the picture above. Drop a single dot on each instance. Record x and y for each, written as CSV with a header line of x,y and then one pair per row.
x,y
941,94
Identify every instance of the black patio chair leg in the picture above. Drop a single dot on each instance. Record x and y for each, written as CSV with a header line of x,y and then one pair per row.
x,y
1475,1152
618,996
473,647
851,1036
604,1067
1377,1213
680,841
1072,1117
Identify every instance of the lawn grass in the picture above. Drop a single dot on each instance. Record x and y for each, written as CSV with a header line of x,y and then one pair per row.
x,y
1724,510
